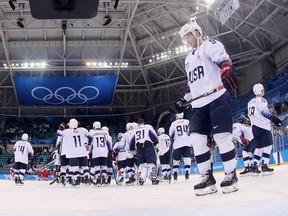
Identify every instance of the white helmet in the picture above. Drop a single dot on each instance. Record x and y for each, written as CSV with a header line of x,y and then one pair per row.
x,y
258,89
104,128
190,27
161,130
73,123
91,131
179,115
96,125
120,135
128,126
25,137
134,125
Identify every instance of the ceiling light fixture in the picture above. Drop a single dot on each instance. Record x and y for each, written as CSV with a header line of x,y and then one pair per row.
x,y
20,22
11,3
107,20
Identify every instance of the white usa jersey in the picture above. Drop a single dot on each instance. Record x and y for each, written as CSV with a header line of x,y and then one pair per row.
x,y
164,143
22,149
74,141
100,145
144,133
203,72
242,129
121,151
178,133
125,142
256,108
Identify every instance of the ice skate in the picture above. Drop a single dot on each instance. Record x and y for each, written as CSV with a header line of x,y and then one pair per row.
x,y
187,175
207,185
266,170
175,176
130,181
120,180
63,182
76,182
229,184
141,181
104,181
246,172
18,181
255,171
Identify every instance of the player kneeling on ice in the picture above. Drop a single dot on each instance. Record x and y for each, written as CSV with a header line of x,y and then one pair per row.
x,y
22,151
210,78
144,140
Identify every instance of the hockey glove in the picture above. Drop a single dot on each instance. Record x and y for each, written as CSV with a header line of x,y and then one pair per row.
x,y
244,140
276,121
229,76
179,106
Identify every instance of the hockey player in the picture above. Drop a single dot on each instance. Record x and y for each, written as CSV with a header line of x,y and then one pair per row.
x,y
62,149
164,153
242,132
210,74
260,117
130,155
99,149
143,140
76,152
109,165
182,146
22,151
120,155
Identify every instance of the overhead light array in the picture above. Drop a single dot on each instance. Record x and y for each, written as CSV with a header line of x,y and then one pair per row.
x,y
95,64
26,65
167,54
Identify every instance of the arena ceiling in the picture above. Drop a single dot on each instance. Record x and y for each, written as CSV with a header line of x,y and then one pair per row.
x,y
141,43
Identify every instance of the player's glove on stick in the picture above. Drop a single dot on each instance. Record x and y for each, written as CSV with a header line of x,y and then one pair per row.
x,y
179,106
229,76
244,141
276,121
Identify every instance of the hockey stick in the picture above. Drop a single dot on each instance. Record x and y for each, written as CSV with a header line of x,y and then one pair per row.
x,y
204,95
115,176
161,117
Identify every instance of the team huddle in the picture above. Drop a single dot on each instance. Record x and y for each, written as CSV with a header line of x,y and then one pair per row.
x,y
86,156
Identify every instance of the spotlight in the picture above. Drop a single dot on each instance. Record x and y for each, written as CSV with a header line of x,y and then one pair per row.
x,y
116,4
20,22
12,4
107,19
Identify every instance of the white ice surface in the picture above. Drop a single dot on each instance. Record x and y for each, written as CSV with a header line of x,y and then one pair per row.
x,y
263,196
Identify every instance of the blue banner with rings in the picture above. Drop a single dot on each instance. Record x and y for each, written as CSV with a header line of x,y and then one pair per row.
x,y
65,91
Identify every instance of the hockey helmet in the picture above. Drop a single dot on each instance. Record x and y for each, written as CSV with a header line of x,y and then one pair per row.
x,y
190,27
258,89
25,137
179,115
134,125
63,126
161,130
120,135
73,123
104,128
96,125
128,126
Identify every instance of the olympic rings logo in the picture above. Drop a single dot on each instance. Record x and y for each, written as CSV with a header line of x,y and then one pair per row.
x,y
65,94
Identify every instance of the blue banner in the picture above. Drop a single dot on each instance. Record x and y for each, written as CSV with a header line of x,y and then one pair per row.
x,y
65,91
